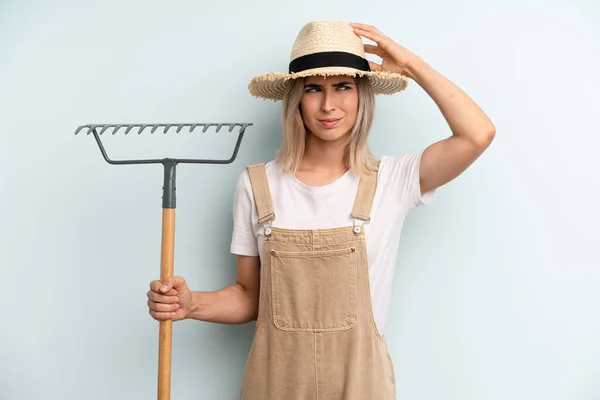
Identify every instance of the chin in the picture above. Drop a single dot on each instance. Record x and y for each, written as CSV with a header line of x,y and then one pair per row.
x,y
329,135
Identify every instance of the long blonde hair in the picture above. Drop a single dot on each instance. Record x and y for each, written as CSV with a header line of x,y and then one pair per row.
x,y
357,157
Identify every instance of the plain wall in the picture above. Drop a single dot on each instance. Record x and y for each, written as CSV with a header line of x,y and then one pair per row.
x,y
496,286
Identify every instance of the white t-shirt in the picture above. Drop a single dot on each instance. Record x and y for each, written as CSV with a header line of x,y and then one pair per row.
x,y
299,206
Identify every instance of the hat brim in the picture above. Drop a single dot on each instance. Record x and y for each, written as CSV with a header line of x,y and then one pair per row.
x,y
272,86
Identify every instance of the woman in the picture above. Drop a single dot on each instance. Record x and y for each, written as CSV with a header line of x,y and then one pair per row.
x,y
316,230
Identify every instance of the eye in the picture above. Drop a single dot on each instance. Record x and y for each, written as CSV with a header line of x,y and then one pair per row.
x,y
314,89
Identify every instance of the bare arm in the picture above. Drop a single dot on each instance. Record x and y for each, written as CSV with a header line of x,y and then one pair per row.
x,y
472,130
235,304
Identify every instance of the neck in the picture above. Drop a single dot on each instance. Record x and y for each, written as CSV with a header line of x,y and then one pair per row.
x,y
324,155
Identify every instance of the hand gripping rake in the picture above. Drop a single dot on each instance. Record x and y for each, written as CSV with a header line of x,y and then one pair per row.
x,y
168,218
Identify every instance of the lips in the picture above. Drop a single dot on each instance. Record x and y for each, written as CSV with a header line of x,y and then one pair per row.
x,y
329,122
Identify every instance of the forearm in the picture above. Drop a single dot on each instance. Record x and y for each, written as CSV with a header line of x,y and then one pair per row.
x,y
463,115
230,305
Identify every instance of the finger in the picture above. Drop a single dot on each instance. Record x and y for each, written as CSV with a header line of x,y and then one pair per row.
x,y
160,307
155,287
159,298
375,66
162,316
362,26
374,50
369,35
368,29
172,282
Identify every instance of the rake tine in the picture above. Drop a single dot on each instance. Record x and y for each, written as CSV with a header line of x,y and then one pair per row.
x,y
181,126
130,127
79,128
142,127
104,128
168,127
206,126
93,128
119,126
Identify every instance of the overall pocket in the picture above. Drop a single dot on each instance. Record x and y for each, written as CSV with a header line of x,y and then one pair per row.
x,y
314,291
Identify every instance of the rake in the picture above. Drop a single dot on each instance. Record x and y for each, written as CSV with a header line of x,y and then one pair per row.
x,y
168,216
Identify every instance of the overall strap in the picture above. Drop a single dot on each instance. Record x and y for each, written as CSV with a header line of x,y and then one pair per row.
x,y
262,194
364,195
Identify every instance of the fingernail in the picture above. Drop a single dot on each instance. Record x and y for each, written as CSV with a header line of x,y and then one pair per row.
x,y
163,287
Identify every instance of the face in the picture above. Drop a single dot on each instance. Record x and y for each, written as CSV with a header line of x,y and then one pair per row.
x,y
329,106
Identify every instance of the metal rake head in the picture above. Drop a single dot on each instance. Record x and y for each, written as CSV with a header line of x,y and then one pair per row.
x,y
93,128
168,163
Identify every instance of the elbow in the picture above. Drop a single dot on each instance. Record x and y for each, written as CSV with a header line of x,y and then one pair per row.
x,y
246,307
491,133
252,306
485,139
253,315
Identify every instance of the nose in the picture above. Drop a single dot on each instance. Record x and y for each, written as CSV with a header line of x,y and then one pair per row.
x,y
327,103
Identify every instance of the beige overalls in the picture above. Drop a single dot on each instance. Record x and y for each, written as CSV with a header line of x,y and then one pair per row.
x,y
315,336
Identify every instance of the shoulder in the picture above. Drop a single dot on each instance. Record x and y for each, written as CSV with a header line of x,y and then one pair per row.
x,y
401,175
271,167
398,165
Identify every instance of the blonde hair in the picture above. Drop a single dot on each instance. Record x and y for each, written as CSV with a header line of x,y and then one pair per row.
x,y
357,157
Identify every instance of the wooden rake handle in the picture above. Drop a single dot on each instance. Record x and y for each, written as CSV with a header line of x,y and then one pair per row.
x,y
165,329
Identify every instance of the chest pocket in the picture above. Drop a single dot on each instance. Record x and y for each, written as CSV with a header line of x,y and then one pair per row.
x,y
314,290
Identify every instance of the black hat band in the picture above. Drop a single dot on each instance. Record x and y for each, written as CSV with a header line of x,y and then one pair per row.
x,y
329,59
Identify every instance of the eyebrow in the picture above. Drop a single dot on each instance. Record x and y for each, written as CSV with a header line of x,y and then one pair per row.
x,y
314,85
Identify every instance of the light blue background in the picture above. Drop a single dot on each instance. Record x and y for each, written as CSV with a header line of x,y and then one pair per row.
x,y
496,288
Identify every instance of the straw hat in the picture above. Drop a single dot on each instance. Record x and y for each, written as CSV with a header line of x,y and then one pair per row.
x,y
326,48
